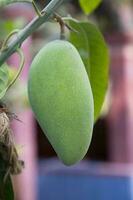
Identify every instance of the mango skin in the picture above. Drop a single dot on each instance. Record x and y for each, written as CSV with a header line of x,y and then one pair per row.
x,y
61,98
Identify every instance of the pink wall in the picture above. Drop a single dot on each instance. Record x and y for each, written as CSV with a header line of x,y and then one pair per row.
x,y
120,118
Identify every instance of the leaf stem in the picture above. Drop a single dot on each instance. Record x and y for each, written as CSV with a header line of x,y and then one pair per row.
x,y
36,8
29,29
20,52
5,45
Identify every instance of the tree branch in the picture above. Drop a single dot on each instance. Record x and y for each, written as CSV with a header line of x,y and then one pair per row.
x,y
29,29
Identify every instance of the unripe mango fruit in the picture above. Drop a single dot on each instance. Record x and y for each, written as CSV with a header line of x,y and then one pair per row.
x,y
61,98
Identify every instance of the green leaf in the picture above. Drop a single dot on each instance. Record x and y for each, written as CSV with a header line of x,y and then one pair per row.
x,y
94,52
89,6
4,78
6,189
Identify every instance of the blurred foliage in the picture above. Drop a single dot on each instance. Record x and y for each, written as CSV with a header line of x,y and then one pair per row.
x,y
4,3
88,6
6,188
7,27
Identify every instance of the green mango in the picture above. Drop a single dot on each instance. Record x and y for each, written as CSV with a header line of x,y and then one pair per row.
x,y
61,98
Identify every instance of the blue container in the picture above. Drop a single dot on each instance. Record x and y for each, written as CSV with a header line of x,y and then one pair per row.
x,y
85,181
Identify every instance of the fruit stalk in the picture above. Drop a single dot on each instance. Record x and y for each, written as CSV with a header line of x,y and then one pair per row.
x,y
29,29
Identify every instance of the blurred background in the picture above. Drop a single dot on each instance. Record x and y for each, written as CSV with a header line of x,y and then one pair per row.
x,y
107,170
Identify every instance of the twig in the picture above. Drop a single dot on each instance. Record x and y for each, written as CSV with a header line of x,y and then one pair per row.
x,y
29,29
